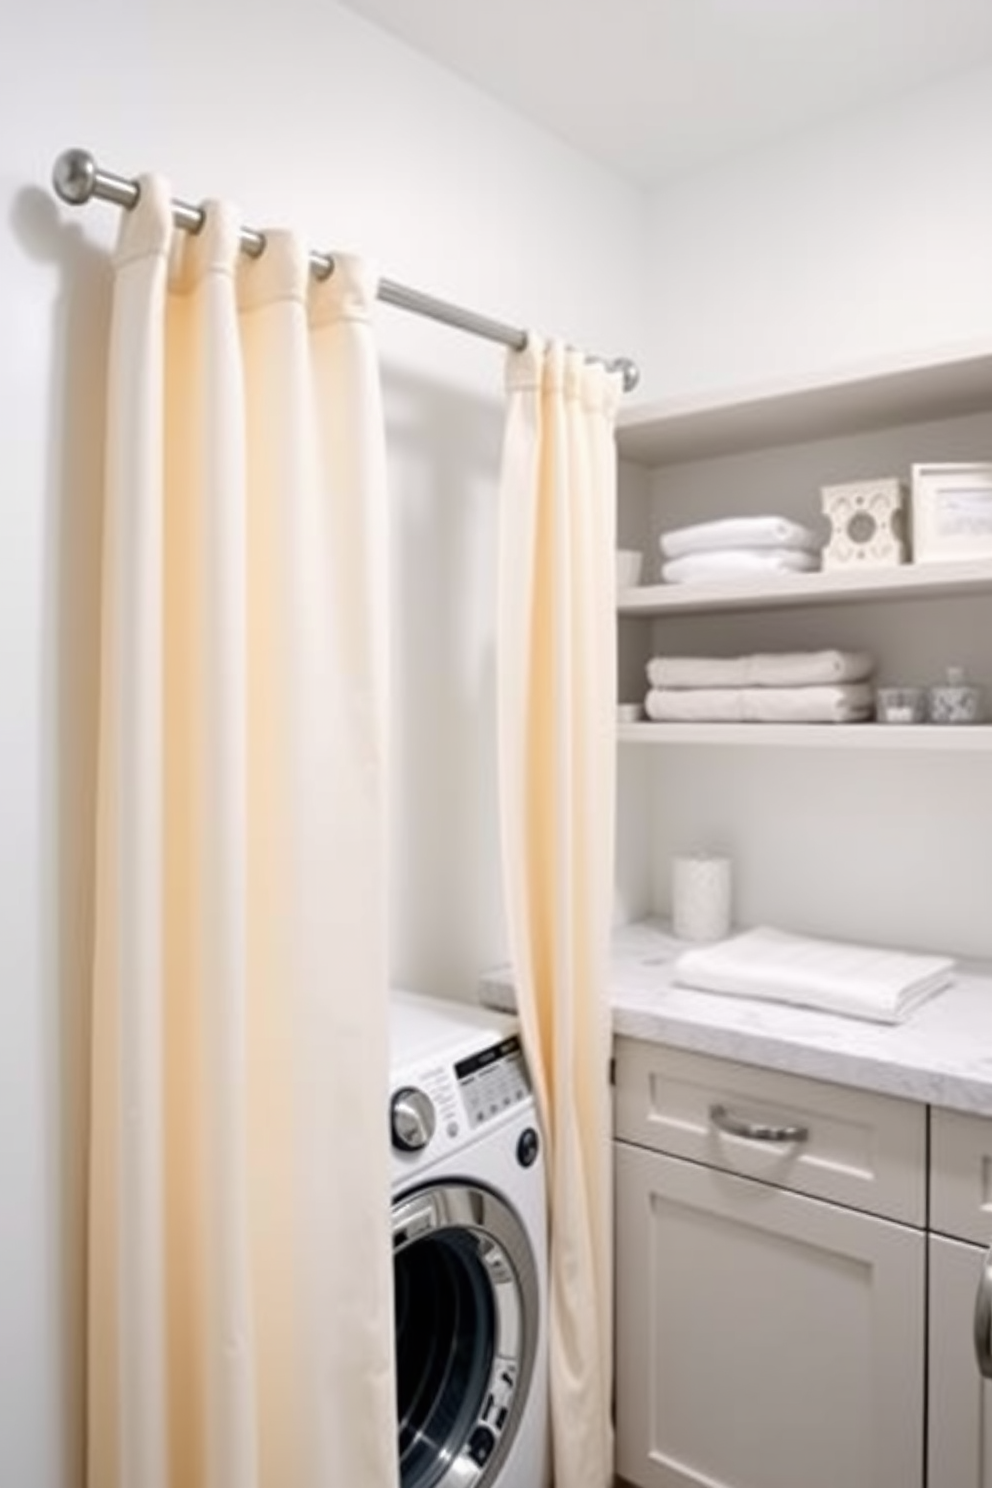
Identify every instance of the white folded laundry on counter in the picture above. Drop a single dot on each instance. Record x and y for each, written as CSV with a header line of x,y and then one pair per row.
x,y
738,532
737,563
882,986
848,702
771,669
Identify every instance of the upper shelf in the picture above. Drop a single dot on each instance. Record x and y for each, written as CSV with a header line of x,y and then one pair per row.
x,y
975,739
907,391
909,581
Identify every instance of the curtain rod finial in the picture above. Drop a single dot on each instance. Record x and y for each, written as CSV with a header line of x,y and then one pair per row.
x,y
74,176
629,370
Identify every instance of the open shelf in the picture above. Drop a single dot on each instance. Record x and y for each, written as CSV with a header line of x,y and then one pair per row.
x,y
965,739
909,581
947,385
891,823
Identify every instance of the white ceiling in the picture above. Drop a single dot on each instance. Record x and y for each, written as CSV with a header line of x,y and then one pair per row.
x,y
655,87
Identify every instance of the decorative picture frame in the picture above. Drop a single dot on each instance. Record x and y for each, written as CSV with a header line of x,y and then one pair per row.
x,y
867,523
952,511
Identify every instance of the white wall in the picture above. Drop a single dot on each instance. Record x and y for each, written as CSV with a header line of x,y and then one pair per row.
x,y
852,243
310,117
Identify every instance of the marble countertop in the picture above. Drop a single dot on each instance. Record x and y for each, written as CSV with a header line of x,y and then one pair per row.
x,y
941,1055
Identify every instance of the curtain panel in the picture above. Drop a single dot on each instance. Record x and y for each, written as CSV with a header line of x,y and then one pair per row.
x,y
556,705
239,1318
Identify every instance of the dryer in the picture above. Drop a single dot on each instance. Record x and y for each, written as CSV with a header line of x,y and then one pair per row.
x,y
469,1222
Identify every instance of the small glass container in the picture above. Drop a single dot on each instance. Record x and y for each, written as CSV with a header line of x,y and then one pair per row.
x,y
955,700
901,704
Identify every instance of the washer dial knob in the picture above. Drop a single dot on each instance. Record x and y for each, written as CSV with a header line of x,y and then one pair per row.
x,y
411,1118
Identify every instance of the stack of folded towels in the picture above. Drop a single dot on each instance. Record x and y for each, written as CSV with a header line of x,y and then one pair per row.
x,y
738,547
780,687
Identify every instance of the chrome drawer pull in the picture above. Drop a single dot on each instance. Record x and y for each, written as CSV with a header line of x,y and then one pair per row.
x,y
755,1131
983,1319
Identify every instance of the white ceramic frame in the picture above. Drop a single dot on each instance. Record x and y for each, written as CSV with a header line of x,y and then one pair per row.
x,y
952,511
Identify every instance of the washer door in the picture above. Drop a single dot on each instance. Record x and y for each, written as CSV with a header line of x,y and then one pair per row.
x,y
466,1299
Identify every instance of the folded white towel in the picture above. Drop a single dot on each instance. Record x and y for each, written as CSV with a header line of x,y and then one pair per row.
x,y
774,669
847,702
738,532
858,981
731,563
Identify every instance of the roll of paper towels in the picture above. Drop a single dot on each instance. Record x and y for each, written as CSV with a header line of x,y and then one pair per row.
x,y
701,890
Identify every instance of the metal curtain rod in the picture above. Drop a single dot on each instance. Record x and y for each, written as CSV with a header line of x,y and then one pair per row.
x,y
76,178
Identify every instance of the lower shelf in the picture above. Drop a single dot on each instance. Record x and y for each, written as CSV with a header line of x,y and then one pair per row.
x,y
887,736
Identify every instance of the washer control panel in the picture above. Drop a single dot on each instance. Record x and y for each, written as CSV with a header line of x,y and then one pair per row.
x,y
493,1080
439,1105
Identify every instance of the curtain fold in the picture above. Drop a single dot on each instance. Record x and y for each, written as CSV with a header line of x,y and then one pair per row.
x,y
557,691
240,1327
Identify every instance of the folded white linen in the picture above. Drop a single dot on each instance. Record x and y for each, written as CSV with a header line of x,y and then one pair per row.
x,y
738,532
858,981
847,702
761,669
731,563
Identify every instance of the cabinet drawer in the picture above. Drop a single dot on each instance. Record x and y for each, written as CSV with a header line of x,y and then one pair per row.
x,y
860,1149
961,1176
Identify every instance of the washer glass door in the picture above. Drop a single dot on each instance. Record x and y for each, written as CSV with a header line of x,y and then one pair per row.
x,y
466,1295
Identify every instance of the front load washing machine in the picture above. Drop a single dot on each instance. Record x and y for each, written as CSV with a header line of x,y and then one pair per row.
x,y
469,1223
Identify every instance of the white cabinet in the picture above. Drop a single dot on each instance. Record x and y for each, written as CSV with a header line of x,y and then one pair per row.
x,y
877,814
765,1339
789,1314
959,1449
805,1306
959,1445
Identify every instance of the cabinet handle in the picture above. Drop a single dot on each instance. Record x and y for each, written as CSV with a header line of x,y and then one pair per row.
x,y
755,1131
983,1319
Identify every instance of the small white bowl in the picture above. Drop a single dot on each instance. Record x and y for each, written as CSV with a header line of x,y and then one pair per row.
x,y
629,712
629,565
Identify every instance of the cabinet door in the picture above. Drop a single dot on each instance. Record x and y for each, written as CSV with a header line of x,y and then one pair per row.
x,y
959,1449
764,1339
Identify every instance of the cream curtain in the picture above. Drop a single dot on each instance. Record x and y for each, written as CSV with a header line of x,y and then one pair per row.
x,y
557,696
240,1324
